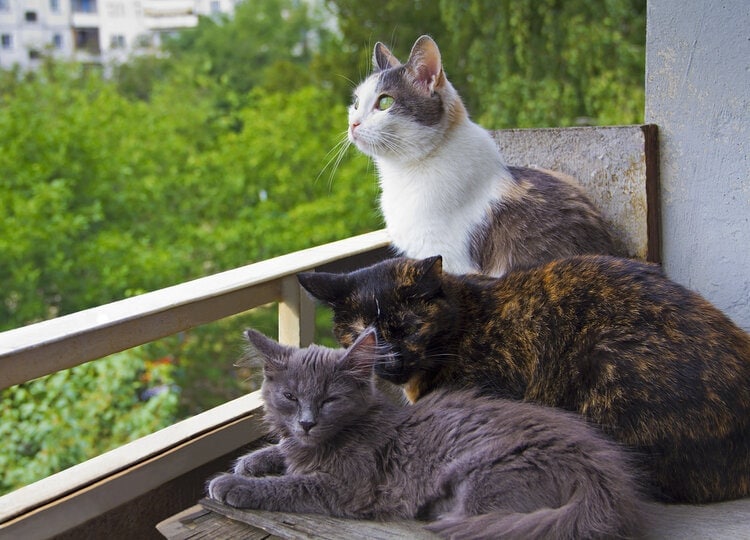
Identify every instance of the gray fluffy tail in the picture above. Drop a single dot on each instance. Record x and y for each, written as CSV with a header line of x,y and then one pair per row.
x,y
579,519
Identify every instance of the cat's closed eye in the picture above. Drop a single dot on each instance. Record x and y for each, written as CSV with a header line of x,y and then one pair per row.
x,y
329,400
290,396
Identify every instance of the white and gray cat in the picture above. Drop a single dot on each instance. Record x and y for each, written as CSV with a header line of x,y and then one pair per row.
x,y
445,189
473,467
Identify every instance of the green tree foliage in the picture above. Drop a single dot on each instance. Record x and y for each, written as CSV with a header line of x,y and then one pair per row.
x,y
393,22
224,151
106,194
261,39
55,422
522,63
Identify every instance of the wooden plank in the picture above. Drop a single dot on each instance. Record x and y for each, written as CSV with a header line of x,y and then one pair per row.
x,y
727,520
615,165
653,191
305,526
296,314
70,340
197,522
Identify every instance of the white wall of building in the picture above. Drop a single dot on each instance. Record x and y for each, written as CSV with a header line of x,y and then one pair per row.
x,y
120,26
31,26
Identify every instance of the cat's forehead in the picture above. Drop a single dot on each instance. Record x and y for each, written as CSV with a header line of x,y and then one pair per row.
x,y
368,87
393,81
397,81
381,285
373,280
315,358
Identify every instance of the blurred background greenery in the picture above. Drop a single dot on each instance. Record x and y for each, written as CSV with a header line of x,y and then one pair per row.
x,y
214,155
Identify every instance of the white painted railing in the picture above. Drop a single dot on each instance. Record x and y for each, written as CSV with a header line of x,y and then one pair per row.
x,y
86,491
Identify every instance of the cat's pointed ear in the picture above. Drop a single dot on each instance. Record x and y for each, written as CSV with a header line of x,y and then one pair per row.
x,y
426,65
382,58
266,351
361,356
429,277
327,287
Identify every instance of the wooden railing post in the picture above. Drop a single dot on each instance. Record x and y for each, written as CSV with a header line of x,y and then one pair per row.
x,y
296,314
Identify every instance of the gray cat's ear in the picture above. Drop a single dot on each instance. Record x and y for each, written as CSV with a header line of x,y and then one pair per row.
x,y
425,64
361,356
382,58
327,287
263,350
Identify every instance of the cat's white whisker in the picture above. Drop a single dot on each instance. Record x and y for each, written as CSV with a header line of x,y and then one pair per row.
x,y
336,154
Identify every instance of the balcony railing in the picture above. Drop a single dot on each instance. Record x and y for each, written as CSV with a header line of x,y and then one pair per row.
x,y
89,490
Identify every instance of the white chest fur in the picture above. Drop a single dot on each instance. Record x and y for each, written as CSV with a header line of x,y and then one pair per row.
x,y
432,204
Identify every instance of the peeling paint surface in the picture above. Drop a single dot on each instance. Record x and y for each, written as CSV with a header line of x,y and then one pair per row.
x,y
698,93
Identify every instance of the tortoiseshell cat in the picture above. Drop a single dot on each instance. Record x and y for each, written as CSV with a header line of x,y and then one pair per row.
x,y
444,186
473,467
655,365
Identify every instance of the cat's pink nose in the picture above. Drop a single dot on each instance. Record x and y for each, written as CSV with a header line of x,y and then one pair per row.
x,y
355,125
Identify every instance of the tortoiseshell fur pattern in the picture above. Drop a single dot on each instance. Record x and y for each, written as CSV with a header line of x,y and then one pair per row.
x,y
655,365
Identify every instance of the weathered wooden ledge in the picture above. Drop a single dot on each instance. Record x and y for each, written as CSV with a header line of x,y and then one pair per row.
x,y
211,519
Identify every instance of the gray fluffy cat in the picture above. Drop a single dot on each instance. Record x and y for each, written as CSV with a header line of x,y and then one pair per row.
x,y
445,189
473,467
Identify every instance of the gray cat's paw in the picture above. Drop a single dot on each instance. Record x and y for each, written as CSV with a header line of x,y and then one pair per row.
x,y
249,466
232,490
266,462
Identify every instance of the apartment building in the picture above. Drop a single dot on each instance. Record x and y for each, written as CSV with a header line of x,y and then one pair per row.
x,y
93,31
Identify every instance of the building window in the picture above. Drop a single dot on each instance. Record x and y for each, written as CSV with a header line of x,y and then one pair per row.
x,y
117,41
144,41
84,6
34,54
54,6
6,41
30,16
57,41
4,5
215,7
87,39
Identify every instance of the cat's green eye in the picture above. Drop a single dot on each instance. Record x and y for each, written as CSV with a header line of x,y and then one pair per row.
x,y
385,102
290,396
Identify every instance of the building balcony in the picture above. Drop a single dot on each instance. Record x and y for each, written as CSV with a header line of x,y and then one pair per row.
x,y
161,474
165,472
156,8
171,22
167,15
84,13
87,41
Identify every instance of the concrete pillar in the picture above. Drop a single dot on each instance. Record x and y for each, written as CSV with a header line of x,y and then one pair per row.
x,y
698,93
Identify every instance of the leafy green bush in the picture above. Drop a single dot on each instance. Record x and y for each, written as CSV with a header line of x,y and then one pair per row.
x,y
54,422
